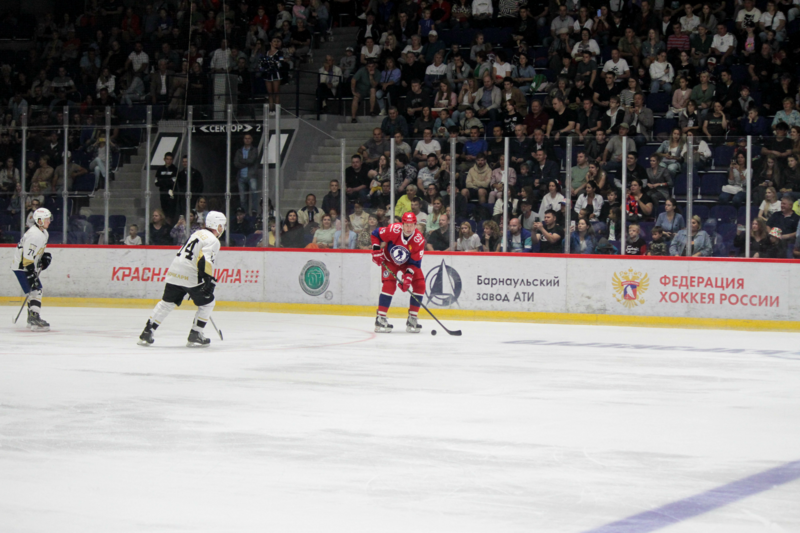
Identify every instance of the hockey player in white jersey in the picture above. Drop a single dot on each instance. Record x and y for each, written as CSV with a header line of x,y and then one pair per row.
x,y
192,273
29,260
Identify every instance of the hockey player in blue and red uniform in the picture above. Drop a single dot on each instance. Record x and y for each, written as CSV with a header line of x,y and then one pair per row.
x,y
398,249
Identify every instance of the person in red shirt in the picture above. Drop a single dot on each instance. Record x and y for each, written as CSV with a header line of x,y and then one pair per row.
x,y
398,250
261,19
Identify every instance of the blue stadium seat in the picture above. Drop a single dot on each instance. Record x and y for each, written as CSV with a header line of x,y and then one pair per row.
x,y
98,222
724,214
237,239
700,210
644,154
664,125
679,185
116,221
659,102
723,155
711,185
741,215
252,240
739,73
15,235
55,237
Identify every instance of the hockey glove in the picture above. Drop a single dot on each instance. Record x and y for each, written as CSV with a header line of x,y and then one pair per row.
x,y
208,286
33,279
377,255
407,279
44,262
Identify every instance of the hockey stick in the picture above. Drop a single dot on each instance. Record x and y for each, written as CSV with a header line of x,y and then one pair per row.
x,y
22,307
219,332
27,296
456,333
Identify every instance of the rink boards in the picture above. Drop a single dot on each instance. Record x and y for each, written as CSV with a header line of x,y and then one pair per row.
x,y
754,294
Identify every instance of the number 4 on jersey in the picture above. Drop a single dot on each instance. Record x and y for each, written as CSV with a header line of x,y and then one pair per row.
x,y
188,248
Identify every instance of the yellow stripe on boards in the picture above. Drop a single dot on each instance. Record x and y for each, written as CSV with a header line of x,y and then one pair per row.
x,y
442,314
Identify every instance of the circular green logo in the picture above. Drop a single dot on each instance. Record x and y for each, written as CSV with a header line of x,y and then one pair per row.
x,y
314,278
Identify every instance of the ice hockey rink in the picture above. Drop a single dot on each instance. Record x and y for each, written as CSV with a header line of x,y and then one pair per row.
x,y
314,423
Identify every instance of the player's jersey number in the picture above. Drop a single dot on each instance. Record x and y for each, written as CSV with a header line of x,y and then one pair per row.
x,y
188,249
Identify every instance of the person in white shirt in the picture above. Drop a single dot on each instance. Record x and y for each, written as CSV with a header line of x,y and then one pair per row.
x,y
702,153
221,59
690,21
773,20
617,66
138,60
370,50
133,239
749,13
723,45
661,74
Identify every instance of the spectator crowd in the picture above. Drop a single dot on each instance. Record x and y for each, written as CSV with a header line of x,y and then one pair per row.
x,y
664,82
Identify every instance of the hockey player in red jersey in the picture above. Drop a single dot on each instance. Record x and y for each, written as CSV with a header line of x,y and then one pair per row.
x,y
398,249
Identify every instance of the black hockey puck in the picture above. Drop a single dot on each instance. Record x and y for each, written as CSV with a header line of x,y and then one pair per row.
x,y
433,332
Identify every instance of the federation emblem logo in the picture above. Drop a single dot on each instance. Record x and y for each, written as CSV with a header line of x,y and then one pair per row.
x,y
314,278
399,255
629,287
443,285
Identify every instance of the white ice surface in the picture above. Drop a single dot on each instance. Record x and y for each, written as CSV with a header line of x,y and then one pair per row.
x,y
314,423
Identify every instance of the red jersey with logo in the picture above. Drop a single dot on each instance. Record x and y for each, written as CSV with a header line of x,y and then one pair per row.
x,y
399,251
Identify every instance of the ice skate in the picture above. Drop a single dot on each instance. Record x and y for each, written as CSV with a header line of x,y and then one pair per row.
x,y
197,339
146,338
382,325
36,323
412,326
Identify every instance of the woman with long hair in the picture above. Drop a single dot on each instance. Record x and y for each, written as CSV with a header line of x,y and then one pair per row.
x,y
292,232
700,240
271,66
379,174
770,205
769,176
615,116
597,175
680,98
734,192
583,240
343,239
627,94
651,47
425,120
160,230
590,197
446,99
364,240
759,238
715,126
689,119
492,236
467,240
466,98
553,200
670,151
671,220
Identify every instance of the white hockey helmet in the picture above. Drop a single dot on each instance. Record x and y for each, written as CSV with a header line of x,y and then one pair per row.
x,y
216,220
40,214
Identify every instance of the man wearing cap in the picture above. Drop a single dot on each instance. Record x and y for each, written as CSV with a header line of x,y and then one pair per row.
x,y
241,225
613,152
527,217
433,46
723,45
562,21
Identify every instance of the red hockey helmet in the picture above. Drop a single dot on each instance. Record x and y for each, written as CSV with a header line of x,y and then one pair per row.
x,y
409,218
